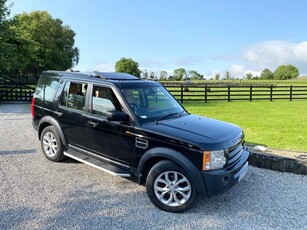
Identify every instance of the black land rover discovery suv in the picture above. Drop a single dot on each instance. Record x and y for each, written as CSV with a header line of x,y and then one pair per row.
x,y
133,128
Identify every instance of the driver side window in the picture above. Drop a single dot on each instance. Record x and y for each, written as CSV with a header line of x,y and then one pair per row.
x,y
104,101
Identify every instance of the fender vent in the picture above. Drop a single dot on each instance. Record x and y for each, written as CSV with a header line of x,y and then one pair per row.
x,y
141,143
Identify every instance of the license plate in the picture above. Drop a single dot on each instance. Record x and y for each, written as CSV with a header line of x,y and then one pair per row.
x,y
244,173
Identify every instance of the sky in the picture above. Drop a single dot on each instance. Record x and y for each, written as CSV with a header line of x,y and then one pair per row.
x,y
208,36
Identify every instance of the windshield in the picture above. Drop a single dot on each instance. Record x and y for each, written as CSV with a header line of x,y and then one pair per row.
x,y
151,103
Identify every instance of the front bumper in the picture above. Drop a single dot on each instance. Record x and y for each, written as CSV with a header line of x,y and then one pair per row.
x,y
219,181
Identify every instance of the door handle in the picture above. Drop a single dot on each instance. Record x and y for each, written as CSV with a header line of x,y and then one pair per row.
x,y
94,124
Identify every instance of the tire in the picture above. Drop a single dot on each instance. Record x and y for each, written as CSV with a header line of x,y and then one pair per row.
x,y
165,192
51,144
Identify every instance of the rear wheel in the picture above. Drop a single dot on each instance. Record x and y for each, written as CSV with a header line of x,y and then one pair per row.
x,y
170,188
51,144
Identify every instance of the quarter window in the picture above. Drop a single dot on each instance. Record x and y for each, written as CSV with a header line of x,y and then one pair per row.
x,y
47,86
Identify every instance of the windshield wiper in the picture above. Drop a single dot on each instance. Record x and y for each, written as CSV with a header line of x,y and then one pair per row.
x,y
167,116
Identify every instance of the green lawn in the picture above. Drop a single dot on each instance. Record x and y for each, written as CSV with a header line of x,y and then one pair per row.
x,y
277,124
296,81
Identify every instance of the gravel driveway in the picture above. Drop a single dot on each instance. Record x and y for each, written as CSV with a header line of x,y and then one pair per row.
x,y
38,194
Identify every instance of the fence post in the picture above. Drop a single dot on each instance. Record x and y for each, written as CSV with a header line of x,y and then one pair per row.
x,y
228,93
271,93
181,94
290,92
206,92
251,93
20,88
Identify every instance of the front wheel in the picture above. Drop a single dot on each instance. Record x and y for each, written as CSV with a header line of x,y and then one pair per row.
x,y
51,144
170,188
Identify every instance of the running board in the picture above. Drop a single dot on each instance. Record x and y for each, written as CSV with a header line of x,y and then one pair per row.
x,y
108,168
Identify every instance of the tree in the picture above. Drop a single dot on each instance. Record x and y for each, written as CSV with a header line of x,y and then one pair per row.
x,y
195,75
127,65
144,74
171,78
43,43
284,72
179,74
227,75
8,50
267,74
4,11
163,75
217,76
249,76
152,75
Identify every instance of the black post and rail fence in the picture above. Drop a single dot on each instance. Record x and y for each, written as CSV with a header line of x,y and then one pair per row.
x,y
206,92
21,88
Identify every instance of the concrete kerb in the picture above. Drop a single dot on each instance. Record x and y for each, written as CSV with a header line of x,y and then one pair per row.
x,y
277,163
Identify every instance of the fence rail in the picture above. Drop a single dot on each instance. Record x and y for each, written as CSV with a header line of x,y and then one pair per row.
x,y
229,93
17,88
21,88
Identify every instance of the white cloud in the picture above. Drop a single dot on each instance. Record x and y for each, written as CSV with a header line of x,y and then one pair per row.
x,y
236,69
271,54
240,71
254,73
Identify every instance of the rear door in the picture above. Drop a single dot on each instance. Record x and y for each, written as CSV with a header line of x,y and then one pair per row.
x,y
72,112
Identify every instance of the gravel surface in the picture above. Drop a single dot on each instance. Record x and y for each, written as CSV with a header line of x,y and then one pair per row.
x,y
38,194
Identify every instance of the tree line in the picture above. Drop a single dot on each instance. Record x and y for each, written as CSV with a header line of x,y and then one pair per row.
x,y
31,43
128,65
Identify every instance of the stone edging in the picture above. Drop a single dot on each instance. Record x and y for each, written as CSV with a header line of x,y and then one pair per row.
x,y
277,163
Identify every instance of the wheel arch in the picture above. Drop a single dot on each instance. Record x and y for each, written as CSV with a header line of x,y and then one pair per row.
x,y
153,156
50,121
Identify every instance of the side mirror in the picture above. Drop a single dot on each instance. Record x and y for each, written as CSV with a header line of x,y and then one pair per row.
x,y
118,116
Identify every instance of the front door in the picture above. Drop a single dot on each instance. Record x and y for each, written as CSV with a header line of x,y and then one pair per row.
x,y
110,139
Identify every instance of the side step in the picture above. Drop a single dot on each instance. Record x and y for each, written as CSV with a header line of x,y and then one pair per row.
x,y
108,168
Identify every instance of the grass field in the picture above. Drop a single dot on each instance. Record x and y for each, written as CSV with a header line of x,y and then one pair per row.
x,y
277,124
296,81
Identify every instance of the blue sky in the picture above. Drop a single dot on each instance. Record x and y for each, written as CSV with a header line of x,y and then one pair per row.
x,y
212,36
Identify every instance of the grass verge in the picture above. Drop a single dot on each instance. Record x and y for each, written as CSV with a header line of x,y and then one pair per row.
x,y
277,124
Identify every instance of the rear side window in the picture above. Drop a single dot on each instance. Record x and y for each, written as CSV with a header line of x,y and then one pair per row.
x,y
47,86
73,95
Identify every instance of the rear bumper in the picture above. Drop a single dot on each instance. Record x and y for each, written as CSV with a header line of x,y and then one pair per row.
x,y
219,181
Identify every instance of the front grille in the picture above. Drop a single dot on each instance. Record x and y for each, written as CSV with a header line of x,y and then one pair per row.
x,y
234,155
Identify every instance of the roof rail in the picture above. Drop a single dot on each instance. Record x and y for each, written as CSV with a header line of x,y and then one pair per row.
x,y
115,76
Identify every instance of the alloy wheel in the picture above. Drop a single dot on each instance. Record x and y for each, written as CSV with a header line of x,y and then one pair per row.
x,y
50,144
172,188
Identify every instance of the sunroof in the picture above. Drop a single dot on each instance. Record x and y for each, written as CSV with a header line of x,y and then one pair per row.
x,y
116,76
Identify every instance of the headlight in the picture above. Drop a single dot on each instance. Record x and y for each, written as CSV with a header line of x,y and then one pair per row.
x,y
213,160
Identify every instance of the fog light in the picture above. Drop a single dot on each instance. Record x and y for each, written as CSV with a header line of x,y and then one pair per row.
x,y
225,180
